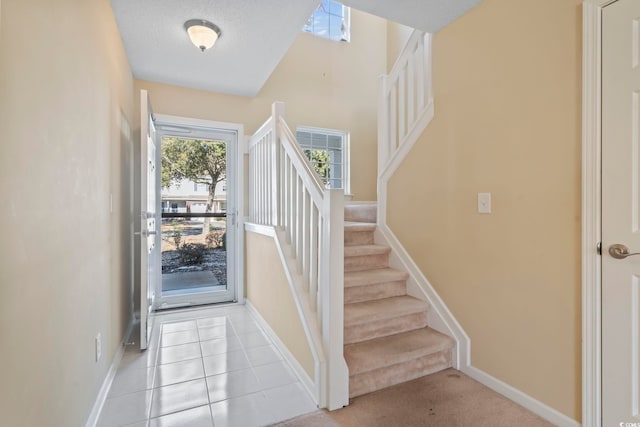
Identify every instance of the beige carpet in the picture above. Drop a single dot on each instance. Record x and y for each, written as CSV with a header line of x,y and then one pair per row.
x,y
448,398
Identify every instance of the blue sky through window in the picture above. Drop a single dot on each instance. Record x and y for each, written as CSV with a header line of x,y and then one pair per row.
x,y
330,20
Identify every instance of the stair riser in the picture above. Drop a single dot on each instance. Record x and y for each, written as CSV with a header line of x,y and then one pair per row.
x,y
374,292
361,213
378,379
366,262
384,327
352,238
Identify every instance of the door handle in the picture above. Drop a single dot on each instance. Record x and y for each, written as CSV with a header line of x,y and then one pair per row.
x,y
620,251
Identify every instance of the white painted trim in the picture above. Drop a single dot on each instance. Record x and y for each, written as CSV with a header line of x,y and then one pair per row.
x,y
96,410
173,121
345,137
297,368
591,211
440,317
237,196
307,316
239,213
542,410
265,230
409,141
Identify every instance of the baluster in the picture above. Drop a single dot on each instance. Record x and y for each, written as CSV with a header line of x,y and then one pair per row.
x,y
250,200
283,185
299,224
420,72
383,123
263,171
321,266
287,197
393,119
267,176
402,95
411,83
259,182
306,231
273,189
426,54
313,257
290,202
294,212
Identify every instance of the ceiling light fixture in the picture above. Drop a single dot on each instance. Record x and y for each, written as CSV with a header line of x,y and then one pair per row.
x,y
202,33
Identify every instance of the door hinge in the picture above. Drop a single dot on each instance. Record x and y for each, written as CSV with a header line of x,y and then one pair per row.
x,y
599,248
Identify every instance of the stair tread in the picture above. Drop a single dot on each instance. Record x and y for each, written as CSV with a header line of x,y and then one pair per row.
x,y
386,308
361,203
363,250
361,211
394,349
359,226
370,277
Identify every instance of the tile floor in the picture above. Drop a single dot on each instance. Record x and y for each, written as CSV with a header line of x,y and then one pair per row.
x,y
204,367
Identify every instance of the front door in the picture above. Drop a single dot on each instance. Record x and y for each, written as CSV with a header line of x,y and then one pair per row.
x,y
621,213
149,250
198,229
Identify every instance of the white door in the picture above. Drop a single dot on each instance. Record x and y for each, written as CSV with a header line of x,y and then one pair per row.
x,y
149,247
621,213
205,290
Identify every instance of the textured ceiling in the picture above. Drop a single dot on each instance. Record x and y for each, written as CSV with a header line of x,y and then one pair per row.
x,y
425,15
255,36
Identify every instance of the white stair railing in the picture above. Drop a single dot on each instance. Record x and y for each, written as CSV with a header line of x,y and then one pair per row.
x,y
285,192
405,107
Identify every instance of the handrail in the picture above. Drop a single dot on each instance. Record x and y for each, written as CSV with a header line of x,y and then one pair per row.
x,y
295,150
265,128
285,192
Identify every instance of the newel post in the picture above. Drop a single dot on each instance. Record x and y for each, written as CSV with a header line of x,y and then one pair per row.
x,y
333,299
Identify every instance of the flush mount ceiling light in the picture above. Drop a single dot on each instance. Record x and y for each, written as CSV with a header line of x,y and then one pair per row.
x,y
202,33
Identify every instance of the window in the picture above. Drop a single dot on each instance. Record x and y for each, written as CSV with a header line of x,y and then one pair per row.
x,y
328,152
330,20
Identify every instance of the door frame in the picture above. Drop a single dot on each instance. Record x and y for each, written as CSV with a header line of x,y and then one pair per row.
x,y
238,188
592,211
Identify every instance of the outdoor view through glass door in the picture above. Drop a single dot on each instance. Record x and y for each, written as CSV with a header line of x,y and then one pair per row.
x,y
196,206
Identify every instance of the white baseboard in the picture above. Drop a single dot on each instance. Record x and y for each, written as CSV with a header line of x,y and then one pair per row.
x,y
542,410
288,357
94,416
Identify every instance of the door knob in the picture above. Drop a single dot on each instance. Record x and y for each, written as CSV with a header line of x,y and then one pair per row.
x,y
620,251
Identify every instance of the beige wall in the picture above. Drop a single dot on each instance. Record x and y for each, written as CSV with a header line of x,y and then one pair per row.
x,y
397,36
268,290
323,83
64,269
507,79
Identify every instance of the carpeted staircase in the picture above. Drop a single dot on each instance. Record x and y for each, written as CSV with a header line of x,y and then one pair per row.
x,y
387,340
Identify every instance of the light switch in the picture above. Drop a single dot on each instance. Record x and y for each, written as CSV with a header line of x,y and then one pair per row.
x,y
484,203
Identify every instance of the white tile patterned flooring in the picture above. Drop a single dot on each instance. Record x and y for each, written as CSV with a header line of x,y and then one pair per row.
x,y
204,367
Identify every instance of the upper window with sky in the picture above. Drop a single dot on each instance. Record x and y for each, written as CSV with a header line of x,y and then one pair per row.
x,y
330,20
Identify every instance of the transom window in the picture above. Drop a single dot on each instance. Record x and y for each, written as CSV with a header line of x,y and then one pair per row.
x,y
328,152
330,20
